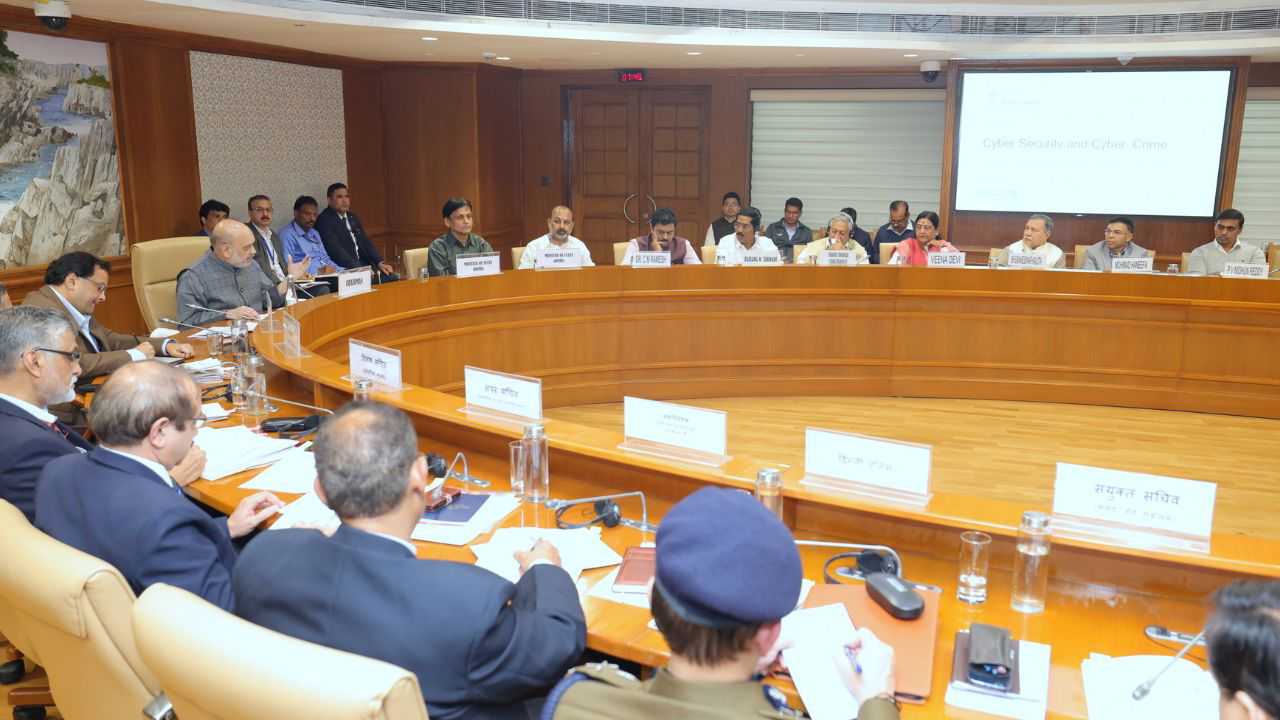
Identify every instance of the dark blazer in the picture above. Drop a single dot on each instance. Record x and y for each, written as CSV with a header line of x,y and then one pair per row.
x,y
337,241
264,261
861,237
477,643
117,509
885,234
26,446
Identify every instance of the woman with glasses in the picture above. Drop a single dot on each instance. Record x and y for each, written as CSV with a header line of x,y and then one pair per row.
x,y
928,239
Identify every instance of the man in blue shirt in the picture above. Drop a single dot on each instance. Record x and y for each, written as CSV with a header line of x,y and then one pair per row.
x,y
302,240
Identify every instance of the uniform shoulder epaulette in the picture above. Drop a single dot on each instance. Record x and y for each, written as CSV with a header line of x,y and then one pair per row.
x,y
609,673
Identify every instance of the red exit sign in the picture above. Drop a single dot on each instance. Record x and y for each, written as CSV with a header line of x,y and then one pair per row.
x,y
628,75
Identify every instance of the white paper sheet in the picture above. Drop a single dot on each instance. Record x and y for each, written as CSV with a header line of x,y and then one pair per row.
x,y
817,660
306,511
233,449
294,472
580,549
1033,697
1184,691
214,411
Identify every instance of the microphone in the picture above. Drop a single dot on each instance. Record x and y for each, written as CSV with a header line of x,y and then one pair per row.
x,y
642,525
171,321
290,402
1145,688
299,288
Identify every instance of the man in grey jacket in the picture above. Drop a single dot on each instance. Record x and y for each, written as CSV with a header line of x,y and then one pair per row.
x,y
225,281
1117,241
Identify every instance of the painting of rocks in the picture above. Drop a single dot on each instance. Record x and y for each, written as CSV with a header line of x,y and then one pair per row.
x,y
59,175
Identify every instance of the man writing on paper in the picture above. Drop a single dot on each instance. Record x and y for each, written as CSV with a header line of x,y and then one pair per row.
x,y
559,225
1212,257
662,238
226,280
479,645
838,237
745,237
120,503
1035,240
1117,242
442,256
727,572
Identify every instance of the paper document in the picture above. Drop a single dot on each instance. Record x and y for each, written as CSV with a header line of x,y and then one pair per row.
x,y
497,507
224,329
233,449
1029,704
214,411
294,472
1184,691
580,549
817,660
306,511
206,365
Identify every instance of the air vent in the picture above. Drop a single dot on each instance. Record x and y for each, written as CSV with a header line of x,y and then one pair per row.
x,y
577,11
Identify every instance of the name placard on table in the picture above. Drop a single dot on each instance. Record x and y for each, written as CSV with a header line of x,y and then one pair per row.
x,y
503,393
355,281
1132,265
849,462
559,260
291,336
678,431
837,258
1026,260
380,365
946,259
761,256
479,264
651,258
1244,270
1160,510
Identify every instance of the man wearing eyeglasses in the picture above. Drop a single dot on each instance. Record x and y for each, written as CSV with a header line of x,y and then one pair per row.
x,y
120,503
74,285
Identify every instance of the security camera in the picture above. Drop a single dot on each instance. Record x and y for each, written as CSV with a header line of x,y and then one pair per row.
x,y
54,14
929,70
1124,59
489,56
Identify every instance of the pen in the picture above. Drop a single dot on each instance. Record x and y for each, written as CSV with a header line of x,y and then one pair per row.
x,y
853,658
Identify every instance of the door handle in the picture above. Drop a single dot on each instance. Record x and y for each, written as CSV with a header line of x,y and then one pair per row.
x,y
624,209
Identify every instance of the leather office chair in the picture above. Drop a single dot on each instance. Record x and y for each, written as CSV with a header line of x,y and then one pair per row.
x,y
1273,257
247,672
28,701
619,250
1001,255
516,254
73,610
156,264
1186,260
708,254
1078,262
413,260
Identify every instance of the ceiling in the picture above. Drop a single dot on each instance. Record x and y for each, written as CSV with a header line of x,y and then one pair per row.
x,y
374,34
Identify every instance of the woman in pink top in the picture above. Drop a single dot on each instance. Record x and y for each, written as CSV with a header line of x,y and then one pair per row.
x,y
915,251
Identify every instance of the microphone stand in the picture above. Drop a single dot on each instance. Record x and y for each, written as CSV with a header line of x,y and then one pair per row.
x,y
1145,688
465,476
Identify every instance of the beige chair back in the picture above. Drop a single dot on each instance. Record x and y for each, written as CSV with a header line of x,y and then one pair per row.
x,y
1273,257
516,254
708,254
414,260
74,610
619,251
1186,260
10,621
215,666
1000,255
156,264
1081,250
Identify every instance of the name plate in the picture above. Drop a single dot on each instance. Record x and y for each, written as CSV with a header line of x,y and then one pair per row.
x,y
680,426
1244,270
1132,265
898,466
502,392
1026,259
559,259
476,265
837,258
292,335
355,281
761,257
374,363
1149,502
946,259
654,258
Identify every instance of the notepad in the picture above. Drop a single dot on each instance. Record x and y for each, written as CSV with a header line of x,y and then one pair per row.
x,y
1184,691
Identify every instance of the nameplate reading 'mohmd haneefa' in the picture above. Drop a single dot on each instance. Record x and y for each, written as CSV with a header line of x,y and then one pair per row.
x,y
1132,265
1148,502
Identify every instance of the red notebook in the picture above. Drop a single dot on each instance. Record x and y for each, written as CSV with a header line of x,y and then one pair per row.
x,y
913,641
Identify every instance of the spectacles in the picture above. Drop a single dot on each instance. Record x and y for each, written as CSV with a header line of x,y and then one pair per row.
x,y
102,287
73,355
199,421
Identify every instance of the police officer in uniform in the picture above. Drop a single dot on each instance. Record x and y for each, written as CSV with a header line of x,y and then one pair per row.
x,y
727,572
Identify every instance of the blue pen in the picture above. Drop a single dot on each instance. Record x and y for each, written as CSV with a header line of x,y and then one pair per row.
x,y
853,658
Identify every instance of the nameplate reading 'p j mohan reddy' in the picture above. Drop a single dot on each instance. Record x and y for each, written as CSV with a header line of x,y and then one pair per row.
x,y
867,460
1147,501
502,392
647,258
1132,265
946,259
552,259
1026,260
476,265
677,425
355,281
1244,270
375,363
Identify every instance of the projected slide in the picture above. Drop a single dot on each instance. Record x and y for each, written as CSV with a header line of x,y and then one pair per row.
x,y
1140,142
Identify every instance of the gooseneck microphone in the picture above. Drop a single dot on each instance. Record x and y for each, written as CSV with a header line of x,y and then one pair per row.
x,y
1145,688
171,321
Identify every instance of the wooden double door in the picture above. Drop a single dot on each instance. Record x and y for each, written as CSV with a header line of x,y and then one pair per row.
x,y
632,151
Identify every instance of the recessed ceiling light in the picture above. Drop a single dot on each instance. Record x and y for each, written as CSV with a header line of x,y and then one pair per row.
x,y
502,57
430,38
912,55
693,53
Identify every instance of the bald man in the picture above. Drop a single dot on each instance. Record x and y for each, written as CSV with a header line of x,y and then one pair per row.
x,y
559,227
226,280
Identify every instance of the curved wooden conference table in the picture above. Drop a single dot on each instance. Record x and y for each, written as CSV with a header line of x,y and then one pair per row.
x,y
595,335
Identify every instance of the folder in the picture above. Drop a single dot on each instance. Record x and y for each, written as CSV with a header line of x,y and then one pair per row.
x,y
913,641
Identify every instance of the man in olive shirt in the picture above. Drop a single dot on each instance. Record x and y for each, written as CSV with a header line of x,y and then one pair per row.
x,y
1226,247
442,256
727,571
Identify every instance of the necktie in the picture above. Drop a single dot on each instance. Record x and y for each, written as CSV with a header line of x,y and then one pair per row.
x,y
58,428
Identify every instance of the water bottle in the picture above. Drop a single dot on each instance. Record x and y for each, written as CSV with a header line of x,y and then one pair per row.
x,y
1031,564
769,489
537,479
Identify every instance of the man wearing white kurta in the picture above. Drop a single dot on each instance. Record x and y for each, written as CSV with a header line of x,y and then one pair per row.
x,y
730,249
1035,240
559,225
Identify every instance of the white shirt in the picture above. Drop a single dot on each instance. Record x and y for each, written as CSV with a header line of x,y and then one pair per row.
x,y
41,414
533,251
407,545
1053,256
729,251
83,321
151,465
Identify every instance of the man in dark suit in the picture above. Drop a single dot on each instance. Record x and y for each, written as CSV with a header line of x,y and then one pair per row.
x,y
212,212
478,644
38,366
119,503
345,239
74,286
270,255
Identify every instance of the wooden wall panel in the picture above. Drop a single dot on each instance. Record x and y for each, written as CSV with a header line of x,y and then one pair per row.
x,y
366,171
500,203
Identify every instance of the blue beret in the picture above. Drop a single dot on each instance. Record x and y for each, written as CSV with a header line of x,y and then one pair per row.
x,y
723,560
